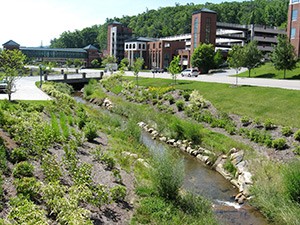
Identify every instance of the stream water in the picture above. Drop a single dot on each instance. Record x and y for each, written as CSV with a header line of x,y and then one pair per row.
x,y
200,179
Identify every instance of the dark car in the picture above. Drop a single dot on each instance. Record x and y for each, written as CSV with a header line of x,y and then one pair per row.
x,y
3,85
157,70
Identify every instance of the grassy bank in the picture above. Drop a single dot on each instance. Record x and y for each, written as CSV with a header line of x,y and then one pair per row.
x,y
280,105
268,71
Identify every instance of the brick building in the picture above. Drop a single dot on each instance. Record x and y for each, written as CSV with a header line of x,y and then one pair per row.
x,y
293,28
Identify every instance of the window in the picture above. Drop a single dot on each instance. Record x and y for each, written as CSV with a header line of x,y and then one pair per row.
x,y
153,45
207,30
126,46
196,24
144,46
133,46
293,32
294,14
140,46
295,1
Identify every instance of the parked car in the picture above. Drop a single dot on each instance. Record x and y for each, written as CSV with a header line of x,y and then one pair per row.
x,y
157,70
191,72
3,85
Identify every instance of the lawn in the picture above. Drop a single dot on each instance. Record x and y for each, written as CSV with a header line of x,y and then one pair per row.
x,y
280,105
268,71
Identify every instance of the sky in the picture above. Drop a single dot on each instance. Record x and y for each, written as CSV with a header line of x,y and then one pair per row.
x,y
33,23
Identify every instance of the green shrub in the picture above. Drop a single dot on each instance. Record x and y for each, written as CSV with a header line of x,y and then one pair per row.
x,y
118,193
167,175
90,131
296,150
269,124
230,129
291,177
23,169
297,135
180,105
108,160
186,96
51,168
245,120
19,154
230,167
28,187
279,144
171,100
3,159
286,131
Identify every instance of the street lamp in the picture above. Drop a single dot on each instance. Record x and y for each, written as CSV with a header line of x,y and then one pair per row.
x,y
41,74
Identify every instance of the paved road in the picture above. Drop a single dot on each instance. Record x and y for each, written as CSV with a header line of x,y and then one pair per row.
x,y
27,90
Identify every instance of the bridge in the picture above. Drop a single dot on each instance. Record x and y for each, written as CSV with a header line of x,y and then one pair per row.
x,y
76,80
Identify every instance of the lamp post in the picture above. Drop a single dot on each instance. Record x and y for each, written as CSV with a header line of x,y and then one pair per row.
x,y
41,74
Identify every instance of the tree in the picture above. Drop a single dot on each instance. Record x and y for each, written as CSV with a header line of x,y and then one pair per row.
x,y
235,59
78,63
218,59
95,63
137,66
175,67
108,62
251,56
11,64
203,57
283,55
124,64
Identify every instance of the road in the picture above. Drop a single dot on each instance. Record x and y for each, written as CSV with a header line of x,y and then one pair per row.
x,y
27,90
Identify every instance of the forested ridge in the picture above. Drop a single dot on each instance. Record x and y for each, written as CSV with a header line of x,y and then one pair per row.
x,y
169,21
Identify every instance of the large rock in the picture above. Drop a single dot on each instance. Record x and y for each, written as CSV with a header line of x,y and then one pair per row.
x,y
237,157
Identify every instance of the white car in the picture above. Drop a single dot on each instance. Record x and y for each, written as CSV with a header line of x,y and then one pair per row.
x,y
3,85
190,72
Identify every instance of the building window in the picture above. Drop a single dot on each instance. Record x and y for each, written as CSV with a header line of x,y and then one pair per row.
x,y
159,44
133,46
126,46
207,30
295,1
293,33
196,24
294,14
130,46
153,45
144,46
140,46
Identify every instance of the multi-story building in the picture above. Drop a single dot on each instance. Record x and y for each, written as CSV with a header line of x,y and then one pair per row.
x,y
205,29
60,55
293,28
116,36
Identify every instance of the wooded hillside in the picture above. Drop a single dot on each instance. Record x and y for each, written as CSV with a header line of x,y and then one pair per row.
x,y
168,21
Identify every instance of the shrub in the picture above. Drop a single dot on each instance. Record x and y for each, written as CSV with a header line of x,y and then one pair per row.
x,y
109,161
269,125
19,154
118,193
3,160
90,131
296,150
167,175
286,131
28,187
51,168
291,178
186,96
171,100
279,144
23,169
230,167
297,135
245,120
180,105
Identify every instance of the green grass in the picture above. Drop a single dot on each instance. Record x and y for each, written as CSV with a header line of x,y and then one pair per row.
x,y
280,105
268,71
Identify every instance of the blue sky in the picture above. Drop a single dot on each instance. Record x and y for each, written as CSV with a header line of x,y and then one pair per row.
x,y
32,22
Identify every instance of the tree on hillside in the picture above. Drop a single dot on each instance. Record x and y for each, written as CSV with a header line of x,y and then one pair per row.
x,y
203,57
283,55
137,66
251,56
11,65
235,59
175,68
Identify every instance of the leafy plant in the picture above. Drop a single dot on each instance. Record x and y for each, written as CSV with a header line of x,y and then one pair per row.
x,y
292,180
19,154
297,135
23,169
118,193
287,131
245,120
28,186
279,144
90,131
230,167
180,105
269,125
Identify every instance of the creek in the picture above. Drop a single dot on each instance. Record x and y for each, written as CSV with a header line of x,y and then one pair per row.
x,y
201,179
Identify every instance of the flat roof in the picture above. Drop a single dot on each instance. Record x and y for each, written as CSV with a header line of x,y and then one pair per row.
x,y
80,50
